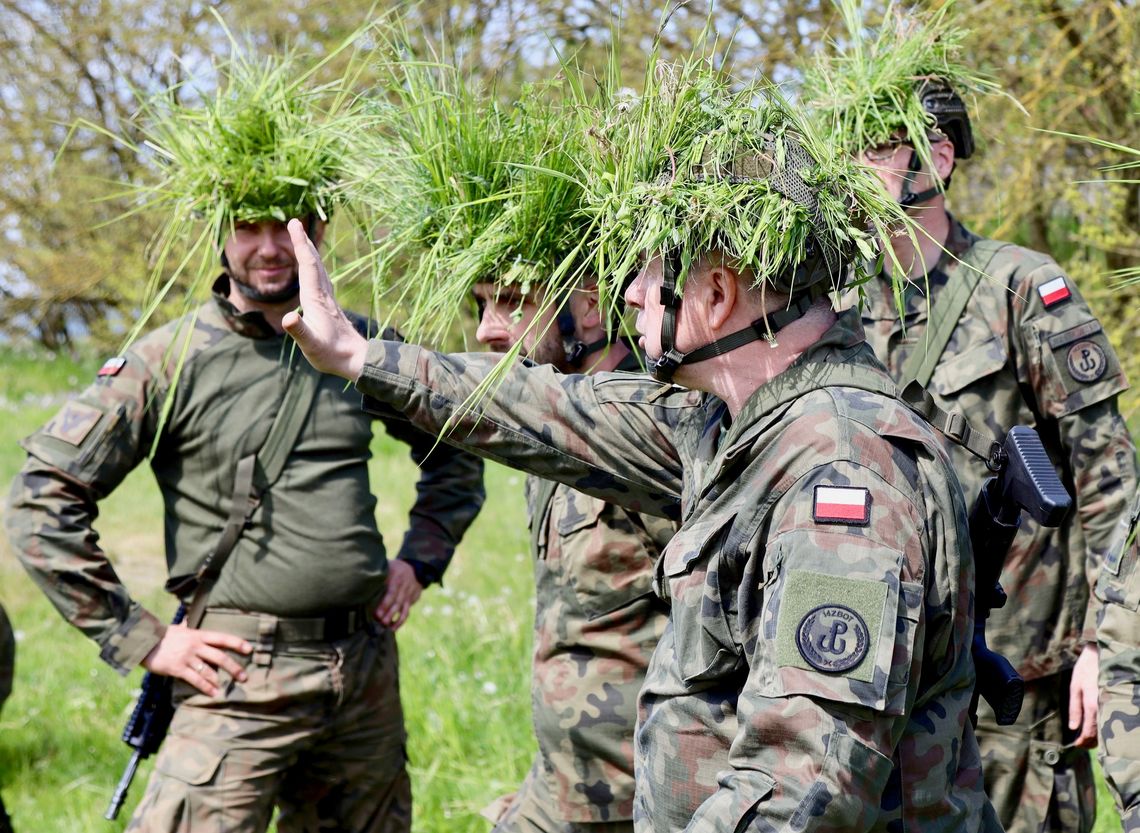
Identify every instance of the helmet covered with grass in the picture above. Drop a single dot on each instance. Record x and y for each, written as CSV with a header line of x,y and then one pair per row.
x,y
705,164
467,189
902,82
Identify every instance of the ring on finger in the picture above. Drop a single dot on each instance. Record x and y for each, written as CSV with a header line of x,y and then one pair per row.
x,y
199,667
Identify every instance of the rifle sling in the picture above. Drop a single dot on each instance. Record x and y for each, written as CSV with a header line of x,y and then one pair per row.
x,y
947,309
282,437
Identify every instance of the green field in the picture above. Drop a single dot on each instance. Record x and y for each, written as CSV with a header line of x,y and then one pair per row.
x,y
464,653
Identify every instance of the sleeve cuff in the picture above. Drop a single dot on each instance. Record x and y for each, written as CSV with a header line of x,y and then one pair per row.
x,y
129,644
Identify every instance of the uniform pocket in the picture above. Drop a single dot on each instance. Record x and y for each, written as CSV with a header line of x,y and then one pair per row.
x,y
691,580
603,554
959,371
189,761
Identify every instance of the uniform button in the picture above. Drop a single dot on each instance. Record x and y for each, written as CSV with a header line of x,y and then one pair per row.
x,y
1052,756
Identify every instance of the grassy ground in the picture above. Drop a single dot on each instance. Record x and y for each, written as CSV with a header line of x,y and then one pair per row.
x,y
464,654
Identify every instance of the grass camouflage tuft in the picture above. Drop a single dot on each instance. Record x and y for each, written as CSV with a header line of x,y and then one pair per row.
x,y
685,167
864,88
465,188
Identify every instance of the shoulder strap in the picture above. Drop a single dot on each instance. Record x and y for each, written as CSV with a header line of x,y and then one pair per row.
x,y
810,377
295,406
948,308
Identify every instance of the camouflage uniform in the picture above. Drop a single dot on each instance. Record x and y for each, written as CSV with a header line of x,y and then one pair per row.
x,y
596,623
1118,635
816,669
1028,351
7,669
317,728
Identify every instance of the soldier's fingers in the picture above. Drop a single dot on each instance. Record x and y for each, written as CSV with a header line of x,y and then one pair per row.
x,y
312,274
202,677
220,659
218,639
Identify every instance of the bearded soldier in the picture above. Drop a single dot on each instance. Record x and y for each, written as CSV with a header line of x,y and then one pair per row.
x,y
815,673
1001,335
287,693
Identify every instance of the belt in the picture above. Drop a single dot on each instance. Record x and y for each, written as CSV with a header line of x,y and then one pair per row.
x,y
255,627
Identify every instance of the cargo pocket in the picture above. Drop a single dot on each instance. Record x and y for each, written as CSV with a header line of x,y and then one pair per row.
x,y
741,804
189,761
1115,583
690,579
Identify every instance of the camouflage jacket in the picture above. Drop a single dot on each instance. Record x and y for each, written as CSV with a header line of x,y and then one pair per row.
x,y
596,623
7,655
1118,635
816,672
1027,351
312,545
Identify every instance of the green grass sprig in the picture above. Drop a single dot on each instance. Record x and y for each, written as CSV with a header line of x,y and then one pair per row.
x,y
864,87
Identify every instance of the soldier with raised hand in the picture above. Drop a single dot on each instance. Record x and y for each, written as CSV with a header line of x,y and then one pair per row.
x,y
815,673
1000,334
502,179
287,694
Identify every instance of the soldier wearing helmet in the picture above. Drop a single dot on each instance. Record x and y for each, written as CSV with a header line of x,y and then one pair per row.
x,y
1002,335
815,673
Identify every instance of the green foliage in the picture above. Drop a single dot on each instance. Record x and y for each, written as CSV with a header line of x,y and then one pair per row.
x,y
700,163
466,189
865,89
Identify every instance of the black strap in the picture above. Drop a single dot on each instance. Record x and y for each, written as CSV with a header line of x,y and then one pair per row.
x,y
300,392
910,199
671,358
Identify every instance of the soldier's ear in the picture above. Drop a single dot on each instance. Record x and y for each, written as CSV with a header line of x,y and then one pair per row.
x,y
942,154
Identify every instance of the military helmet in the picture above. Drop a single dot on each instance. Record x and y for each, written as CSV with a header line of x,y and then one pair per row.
x,y
950,115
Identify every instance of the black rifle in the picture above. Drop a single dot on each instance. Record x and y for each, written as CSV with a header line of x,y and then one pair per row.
x,y
1025,479
146,727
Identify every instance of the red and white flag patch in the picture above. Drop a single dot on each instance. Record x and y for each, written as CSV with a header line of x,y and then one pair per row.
x,y
111,367
842,505
1054,291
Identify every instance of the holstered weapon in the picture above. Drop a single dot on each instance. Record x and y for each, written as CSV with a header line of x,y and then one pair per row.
x,y
1025,480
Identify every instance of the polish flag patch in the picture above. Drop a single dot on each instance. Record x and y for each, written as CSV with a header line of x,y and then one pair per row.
x,y
111,367
1054,291
842,505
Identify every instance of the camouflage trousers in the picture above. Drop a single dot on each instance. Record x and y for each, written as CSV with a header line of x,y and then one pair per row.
x,y
1035,780
317,730
529,811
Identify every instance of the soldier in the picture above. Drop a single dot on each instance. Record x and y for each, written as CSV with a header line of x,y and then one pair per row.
x,y
1118,636
815,673
7,671
288,693
1001,335
596,617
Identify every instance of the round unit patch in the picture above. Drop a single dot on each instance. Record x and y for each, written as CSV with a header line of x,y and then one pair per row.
x,y
1087,361
832,638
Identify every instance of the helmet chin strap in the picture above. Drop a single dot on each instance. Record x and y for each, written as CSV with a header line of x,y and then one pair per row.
x,y
576,349
765,327
909,198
